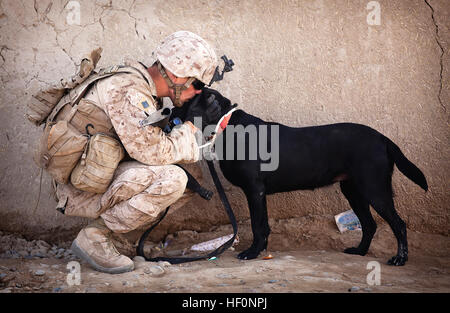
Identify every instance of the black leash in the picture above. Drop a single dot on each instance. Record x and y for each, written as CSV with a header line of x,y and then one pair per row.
x,y
218,251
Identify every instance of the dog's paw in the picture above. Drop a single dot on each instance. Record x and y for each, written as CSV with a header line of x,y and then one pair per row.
x,y
354,250
397,260
248,254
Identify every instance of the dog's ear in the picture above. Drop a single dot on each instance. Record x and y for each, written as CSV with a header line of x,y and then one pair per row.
x,y
224,102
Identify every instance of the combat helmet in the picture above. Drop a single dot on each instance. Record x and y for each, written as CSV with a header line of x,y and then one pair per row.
x,y
186,54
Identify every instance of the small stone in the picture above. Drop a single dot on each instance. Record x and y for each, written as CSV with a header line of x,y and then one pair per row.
x,y
272,281
354,288
42,244
164,264
90,290
38,253
224,275
4,278
39,273
139,259
156,271
22,253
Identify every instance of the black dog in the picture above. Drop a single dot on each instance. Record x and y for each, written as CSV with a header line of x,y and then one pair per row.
x,y
357,156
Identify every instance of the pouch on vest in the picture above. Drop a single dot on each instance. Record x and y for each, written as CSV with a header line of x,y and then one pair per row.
x,y
42,104
59,150
87,113
95,171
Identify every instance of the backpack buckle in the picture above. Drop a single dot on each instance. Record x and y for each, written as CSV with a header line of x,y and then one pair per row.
x,y
109,69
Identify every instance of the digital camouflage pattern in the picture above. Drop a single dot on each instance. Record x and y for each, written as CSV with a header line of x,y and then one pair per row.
x,y
123,97
152,190
186,54
141,189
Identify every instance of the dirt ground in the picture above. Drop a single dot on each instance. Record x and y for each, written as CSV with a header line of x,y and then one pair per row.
x,y
314,263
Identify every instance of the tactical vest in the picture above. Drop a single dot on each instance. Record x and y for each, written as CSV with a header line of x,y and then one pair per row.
x,y
79,142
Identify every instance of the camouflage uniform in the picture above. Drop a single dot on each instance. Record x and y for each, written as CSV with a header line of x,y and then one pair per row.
x,y
143,188
140,189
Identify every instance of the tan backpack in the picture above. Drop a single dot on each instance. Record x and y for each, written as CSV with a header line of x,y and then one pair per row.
x,y
77,134
44,101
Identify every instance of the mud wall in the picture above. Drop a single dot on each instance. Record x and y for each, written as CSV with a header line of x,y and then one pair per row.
x,y
301,63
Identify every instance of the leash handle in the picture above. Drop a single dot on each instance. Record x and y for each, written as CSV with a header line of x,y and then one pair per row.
x,y
219,250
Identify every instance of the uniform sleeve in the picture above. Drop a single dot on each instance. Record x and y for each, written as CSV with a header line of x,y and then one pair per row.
x,y
150,145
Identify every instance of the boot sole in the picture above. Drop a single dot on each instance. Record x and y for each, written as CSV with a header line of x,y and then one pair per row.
x,y
82,255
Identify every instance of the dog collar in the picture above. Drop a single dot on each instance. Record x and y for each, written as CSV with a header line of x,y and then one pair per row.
x,y
220,127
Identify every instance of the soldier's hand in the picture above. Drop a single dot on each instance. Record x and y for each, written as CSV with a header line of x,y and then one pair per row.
x,y
194,110
209,111
213,110
192,126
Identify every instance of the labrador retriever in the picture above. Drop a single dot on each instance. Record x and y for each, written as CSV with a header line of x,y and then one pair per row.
x,y
356,156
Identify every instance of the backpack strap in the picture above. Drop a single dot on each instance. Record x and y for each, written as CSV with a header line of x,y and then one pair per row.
x,y
75,94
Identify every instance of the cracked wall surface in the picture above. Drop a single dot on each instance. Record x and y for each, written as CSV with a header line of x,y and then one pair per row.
x,y
300,63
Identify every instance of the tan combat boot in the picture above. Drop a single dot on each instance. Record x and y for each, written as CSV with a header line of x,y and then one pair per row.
x,y
95,247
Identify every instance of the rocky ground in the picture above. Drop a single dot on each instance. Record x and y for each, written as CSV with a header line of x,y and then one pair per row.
x,y
36,266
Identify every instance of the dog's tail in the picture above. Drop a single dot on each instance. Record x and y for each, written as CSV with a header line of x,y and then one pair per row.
x,y
406,166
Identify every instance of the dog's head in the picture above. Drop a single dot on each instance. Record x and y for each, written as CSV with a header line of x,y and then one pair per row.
x,y
224,103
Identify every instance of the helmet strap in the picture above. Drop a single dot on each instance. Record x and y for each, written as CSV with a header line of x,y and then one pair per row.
x,y
178,88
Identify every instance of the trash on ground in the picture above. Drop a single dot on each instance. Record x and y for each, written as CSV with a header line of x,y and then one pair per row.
x,y
347,221
214,243
268,257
